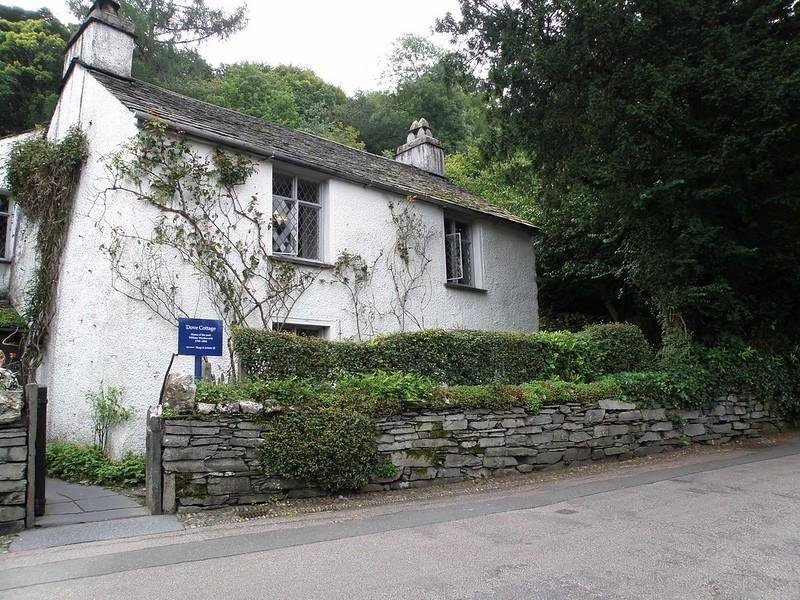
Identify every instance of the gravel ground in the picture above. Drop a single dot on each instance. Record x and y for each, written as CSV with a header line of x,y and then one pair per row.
x,y
290,508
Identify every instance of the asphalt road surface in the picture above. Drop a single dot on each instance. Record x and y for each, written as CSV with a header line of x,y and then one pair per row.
x,y
725,527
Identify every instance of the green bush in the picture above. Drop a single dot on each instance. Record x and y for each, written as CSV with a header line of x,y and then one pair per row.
x,y
491,397
561,392
290,391
331,448
381,393
614,348
459,357
80,464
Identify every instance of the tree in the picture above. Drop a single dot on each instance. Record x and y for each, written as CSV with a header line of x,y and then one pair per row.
x,y
425,81
31,59
667,131
167,33
287,95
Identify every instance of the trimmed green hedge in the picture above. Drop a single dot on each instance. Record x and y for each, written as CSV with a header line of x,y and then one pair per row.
x,y
458,357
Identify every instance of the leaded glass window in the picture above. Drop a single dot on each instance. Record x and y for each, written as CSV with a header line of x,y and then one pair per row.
x,y
296,216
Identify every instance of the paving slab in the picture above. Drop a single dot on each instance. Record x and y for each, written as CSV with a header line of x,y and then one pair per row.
x,y
106,503
87,513
50,537
96,516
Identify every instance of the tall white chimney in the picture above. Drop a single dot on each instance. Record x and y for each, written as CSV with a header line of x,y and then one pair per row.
x,y
421,149
104,40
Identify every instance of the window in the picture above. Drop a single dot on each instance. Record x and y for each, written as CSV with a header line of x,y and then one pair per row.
x,y
296,217
301,330
6,210
458,252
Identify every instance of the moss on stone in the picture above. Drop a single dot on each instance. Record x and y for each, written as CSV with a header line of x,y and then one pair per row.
x,y
9,318
428,454
437,430
186,487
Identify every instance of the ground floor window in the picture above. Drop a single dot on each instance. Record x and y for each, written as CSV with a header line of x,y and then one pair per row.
x,y
302,330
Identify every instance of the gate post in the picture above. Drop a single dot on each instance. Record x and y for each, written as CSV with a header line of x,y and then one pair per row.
x,y
153,469
40,475
32,402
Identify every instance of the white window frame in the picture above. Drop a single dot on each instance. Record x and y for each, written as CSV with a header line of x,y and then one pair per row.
x,y
476,256
321,207
325,327
8,250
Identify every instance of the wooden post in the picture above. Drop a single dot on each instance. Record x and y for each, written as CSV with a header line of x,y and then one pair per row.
x,y
32,402
40,474
153,468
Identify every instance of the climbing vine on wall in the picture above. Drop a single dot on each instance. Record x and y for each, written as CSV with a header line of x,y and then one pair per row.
x,y
42,176
201,220
408,263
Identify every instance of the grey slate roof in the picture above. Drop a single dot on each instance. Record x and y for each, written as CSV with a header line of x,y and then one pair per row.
x,y
294,146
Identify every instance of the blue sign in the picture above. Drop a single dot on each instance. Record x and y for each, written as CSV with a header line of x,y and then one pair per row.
x,y
199,337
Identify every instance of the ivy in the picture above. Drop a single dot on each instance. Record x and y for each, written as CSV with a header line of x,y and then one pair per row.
x,y
43,176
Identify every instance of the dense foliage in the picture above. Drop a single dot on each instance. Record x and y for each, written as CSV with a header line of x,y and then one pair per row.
x,y
682,375
80,464
451,357
31,58
330,448
665,134
43,176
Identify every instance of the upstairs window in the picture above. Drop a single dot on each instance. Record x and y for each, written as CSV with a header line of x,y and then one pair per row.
x,y
458,251
6,210
296,217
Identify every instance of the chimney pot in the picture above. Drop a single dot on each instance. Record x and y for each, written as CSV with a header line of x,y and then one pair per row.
x,y
421,149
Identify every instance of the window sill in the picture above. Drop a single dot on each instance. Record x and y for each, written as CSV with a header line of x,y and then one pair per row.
x,y
301,261
466,288
5,261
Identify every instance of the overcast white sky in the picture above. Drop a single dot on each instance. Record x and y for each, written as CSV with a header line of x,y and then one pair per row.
x,y
344,41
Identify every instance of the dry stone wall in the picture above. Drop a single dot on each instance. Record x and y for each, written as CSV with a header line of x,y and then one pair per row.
x,y
212,461
13,467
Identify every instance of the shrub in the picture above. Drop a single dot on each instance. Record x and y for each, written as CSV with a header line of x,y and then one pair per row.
x,y
382,393
556,391
459,357
291,391
79,464
107,412
331,448
492,397
614,348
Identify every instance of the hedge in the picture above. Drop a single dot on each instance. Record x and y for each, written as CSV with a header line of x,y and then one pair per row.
x,y
460,357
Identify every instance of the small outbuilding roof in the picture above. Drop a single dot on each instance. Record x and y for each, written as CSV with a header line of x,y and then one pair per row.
x,y
292,146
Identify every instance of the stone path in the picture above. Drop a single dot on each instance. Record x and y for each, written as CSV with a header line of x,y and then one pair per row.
x,y
71,503
87,513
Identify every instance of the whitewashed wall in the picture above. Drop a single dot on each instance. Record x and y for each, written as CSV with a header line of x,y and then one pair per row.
x,y
99,335
6,145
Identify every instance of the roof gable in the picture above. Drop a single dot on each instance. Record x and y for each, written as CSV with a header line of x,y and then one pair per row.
x,y
293,146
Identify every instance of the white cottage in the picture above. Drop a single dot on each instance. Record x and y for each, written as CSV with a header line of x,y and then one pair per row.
x,y
325,199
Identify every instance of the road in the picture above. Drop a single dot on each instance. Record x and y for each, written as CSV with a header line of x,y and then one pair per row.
x,y
724,527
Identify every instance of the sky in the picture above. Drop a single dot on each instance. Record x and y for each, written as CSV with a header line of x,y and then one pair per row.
x,y
344,41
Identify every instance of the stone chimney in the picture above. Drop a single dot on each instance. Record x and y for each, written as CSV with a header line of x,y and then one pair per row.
x,y
421,149
104,40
